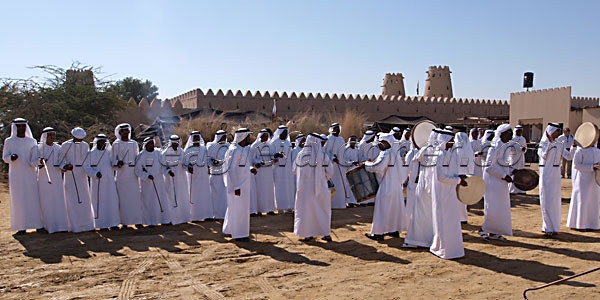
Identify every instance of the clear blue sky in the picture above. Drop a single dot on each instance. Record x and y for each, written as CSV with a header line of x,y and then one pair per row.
x,y
311,46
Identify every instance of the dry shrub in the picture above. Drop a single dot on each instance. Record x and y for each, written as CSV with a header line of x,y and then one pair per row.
x,y
207,124
308,122
351,122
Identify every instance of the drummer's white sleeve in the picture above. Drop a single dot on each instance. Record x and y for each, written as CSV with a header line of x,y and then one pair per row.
x,y
579,164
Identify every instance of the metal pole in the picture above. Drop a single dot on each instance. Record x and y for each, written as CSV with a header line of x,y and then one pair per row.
x,y
98,200
557,282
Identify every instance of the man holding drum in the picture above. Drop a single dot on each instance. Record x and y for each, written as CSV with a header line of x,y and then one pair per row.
x,y
550,152
496,175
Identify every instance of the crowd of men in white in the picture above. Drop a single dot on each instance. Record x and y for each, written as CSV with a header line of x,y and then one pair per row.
x,y
69,187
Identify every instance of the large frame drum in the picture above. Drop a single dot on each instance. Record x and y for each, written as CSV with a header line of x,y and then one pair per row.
x,y
364,184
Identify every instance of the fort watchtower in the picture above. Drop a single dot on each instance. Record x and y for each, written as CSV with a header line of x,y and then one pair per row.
x,y
438,82
393,85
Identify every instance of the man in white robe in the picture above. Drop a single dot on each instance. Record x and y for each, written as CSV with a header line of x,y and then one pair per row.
x,y
389,211
550,152
298,145
484,147
584,208
263,155
105,202
420,230
497,176
195,159
447,240
75,183
25,210
216,154
462,149
176,182
368,149
282,170
476,147
123,154
351,160
413,174
150,170
238,172
52,196
312,169
566,165
518,160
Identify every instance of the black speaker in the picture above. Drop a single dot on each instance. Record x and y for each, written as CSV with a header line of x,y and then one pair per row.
x,y
528,80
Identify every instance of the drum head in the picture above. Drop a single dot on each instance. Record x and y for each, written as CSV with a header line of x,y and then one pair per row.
x,y
420,133
525,179
586,135
471,193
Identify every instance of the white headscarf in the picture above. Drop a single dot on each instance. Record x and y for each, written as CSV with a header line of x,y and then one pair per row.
x,y
173,139
44,135
190,140
98,138
388,138
122,126
486,135
240,135
499,131
218,135
367,136
13,129
471,134
78,133
444,137
279,131
550,129
515,131
299,138
407,130
334,125
261,133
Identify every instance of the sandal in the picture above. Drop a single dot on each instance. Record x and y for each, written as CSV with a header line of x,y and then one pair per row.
x,y
496,237
484,235
306,239
327,238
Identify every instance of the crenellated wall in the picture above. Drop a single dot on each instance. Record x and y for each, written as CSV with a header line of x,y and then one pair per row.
x,y
376,107
582,102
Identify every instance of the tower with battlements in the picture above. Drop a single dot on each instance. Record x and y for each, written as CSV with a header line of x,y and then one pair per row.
x,y
438,82
393,85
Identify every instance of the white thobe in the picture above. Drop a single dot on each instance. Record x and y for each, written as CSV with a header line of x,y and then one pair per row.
x,y
155,203
293,156
25,210
389,211
447,239
466,167
335,147
238,177
201,206
368,151
76,187
420,230
313,198
584,207
550,194
518,161
178,190
128,184
103,190
411,186
496,205
218,194
52,196
282,174
351,155
265,184
479,161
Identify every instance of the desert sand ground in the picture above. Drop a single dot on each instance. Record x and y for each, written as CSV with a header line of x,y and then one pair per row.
x,y
195,261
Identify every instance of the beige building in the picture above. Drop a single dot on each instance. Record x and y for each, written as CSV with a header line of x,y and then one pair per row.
x,y
535,109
